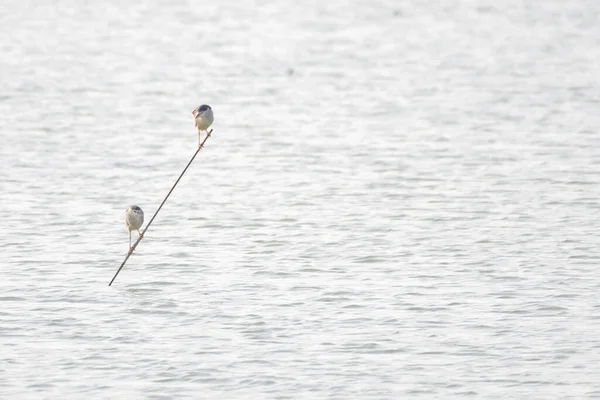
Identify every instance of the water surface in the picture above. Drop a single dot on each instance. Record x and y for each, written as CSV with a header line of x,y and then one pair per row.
x,y
399,200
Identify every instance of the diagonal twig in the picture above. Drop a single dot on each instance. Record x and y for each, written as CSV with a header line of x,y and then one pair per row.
x,y
159,207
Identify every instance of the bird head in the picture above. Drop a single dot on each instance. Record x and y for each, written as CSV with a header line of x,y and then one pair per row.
x,y
200,110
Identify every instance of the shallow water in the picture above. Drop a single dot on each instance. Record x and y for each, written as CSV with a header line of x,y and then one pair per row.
x,y
399,200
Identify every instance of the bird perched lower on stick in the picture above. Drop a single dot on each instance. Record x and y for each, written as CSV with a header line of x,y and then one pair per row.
x,y
203,118
134,218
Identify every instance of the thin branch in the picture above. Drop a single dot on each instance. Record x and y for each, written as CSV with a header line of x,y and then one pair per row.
x,y
159,207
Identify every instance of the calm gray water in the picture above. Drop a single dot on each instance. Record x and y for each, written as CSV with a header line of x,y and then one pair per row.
x,y
400,200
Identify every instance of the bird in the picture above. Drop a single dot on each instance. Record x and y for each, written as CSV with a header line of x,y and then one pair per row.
x,y
203,119
134,218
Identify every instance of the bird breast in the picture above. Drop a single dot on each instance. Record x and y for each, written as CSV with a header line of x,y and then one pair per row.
x,y
133,220
205,120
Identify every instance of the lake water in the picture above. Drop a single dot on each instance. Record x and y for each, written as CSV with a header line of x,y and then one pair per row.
x,y
399,200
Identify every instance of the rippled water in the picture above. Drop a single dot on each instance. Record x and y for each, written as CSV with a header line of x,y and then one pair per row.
x,y
400,200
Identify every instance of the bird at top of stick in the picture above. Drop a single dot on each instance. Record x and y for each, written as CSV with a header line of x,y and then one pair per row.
x,y
134,218
203,119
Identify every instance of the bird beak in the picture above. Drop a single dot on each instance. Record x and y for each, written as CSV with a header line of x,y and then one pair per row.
x,y
195,112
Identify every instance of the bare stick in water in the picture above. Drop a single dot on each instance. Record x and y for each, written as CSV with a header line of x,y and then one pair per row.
x,y
161,204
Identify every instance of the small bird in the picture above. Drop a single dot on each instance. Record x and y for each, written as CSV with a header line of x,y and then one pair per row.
x,y
134,218
203,118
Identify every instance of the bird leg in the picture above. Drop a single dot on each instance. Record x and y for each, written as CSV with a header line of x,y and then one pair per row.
x,y
200,145
130,249
200,142
141,234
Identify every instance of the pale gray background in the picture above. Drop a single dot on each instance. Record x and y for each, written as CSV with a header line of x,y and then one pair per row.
x,y
400,199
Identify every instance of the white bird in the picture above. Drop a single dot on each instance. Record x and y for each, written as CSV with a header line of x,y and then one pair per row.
x,y
203,119
134,218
